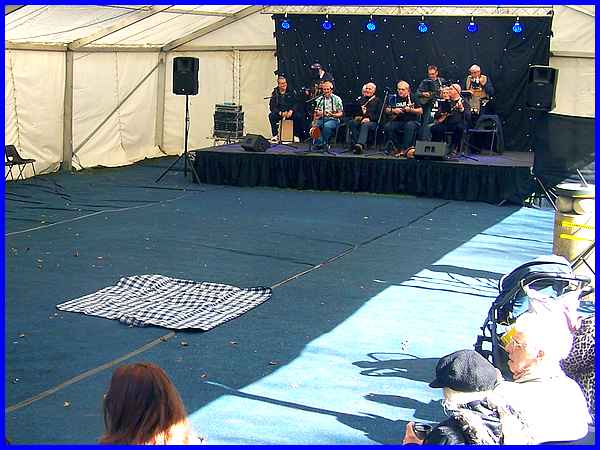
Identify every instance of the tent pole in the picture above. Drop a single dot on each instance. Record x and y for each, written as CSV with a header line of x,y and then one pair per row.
x,y
160,101
66,164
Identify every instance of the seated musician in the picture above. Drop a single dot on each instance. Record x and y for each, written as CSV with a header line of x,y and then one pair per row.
x,y
328,111
360,126
439,107
453,120
428,90
283,106
403,114
480,89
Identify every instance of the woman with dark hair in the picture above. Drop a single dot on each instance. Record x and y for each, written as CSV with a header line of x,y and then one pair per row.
x,y
142,406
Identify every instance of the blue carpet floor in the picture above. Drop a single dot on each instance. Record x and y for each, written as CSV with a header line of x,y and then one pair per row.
x,y
369,290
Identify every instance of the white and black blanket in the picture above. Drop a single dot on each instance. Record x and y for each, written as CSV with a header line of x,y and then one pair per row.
x,y
143,300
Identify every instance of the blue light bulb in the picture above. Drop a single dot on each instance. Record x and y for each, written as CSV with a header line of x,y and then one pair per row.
x,y
472,27
327,25
517,28
371,26
423,28
285,24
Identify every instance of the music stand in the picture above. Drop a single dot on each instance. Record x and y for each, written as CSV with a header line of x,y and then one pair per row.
x,y
185,150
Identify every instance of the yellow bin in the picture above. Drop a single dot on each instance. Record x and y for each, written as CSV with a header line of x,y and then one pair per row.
x,y
574,224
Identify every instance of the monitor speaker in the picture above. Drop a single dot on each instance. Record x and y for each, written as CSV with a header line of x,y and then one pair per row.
x,y
185,75
431,150
541,88
255,143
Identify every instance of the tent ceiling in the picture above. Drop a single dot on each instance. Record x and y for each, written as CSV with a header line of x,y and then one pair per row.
x,y
112,25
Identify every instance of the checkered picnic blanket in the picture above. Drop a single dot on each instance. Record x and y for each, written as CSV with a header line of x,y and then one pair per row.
x,y
143,300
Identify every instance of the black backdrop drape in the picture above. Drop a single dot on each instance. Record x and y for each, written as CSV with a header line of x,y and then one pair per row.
x,y
397,51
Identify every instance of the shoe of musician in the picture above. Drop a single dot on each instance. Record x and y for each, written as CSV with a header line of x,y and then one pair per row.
x,y
274,139
296,139
410,152
357,149
400,153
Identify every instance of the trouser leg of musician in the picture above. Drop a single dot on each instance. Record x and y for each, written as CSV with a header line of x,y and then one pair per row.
x,y
389,130
364,132
328,130
425,132
437,132
354,131
409,135
274,120
458,130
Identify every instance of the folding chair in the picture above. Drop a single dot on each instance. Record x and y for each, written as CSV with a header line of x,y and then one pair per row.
x,y
487,124
12,158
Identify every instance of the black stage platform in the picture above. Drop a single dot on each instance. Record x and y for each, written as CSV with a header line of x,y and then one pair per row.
x,y
493,178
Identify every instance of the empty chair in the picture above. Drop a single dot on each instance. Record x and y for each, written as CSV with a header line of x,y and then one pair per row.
x,y
489,125
13,158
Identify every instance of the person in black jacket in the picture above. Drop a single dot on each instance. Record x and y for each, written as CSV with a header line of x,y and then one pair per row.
x,y
477,414
283,105
370,107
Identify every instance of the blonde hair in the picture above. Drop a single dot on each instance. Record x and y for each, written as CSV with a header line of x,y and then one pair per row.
x,y
455,399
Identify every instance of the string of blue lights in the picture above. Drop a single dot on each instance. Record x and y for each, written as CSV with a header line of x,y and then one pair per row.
x,y
423,27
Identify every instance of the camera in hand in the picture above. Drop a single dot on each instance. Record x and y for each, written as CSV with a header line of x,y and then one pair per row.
x,y
475,84
422,430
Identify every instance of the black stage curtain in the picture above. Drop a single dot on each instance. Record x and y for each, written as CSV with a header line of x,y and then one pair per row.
x,y
397,51
563,145
491,184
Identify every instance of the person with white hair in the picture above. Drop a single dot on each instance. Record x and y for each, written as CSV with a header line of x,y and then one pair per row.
x,y
553,403
361,125
455,120
480,90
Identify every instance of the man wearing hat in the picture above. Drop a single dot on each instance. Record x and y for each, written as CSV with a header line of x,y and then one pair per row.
x,y
476,414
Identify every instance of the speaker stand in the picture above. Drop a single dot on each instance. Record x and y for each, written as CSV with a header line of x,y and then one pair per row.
x,y
184,155
461,151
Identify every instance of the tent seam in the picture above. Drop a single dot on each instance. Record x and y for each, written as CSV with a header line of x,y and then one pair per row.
x,y
119,122
14,95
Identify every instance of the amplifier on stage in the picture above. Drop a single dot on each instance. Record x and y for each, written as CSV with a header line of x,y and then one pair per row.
x,y
228,121
431,150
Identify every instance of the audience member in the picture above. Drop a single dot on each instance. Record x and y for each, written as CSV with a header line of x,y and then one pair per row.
x,y
553,403
476,414
142,406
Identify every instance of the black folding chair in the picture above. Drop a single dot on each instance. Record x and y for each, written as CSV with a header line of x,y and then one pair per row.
x,y
12,158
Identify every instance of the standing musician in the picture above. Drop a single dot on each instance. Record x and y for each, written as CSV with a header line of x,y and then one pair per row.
x,y
319,75
429,90
404,115
454,120
480,89
328,111
370,107
282,105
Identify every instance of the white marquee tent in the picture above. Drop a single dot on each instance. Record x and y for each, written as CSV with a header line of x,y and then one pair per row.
x,y
91,86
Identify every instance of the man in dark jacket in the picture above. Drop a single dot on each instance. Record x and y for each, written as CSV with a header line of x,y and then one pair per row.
x,y
283,105
370,107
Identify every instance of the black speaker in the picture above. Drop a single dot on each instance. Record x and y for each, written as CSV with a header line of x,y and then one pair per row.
x,y
255,143
431,150
185,75
541,87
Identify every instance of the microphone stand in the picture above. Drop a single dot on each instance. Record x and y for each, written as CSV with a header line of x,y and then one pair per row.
x,y
385,97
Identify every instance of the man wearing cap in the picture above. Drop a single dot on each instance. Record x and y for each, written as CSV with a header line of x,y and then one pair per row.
x,y
476,414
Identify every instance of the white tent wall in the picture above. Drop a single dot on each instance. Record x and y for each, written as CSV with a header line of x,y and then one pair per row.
x,y
572,48
257,82
111,128
33,106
